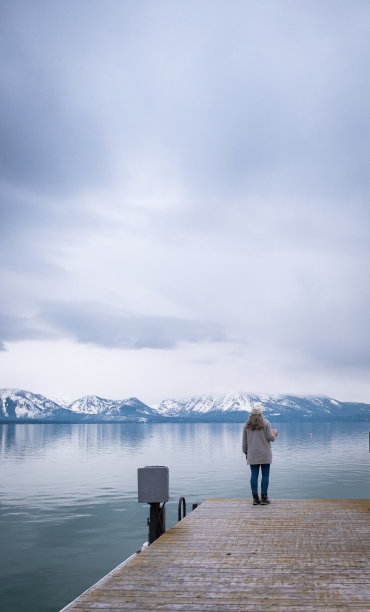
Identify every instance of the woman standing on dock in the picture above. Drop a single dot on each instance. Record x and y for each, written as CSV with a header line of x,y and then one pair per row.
x,y
257,435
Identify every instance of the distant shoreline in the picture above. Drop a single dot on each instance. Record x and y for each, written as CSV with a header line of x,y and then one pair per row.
x,y
177,420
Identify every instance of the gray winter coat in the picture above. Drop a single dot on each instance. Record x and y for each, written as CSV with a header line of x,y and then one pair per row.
x,y
256,443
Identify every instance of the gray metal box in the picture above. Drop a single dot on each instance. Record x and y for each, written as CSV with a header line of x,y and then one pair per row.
x,y
153,484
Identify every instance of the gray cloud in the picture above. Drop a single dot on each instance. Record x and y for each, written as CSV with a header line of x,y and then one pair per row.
x,y
47,143
107,327
235,97
15,328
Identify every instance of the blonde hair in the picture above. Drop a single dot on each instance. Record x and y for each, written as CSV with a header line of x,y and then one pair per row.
x,y
255,421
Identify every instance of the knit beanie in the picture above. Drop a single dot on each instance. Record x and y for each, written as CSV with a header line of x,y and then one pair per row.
x,y
257,408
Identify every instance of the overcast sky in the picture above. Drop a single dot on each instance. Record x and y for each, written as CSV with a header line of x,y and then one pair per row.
x,y
185,197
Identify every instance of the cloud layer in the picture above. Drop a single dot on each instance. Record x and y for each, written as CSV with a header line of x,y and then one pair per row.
x,y
187,177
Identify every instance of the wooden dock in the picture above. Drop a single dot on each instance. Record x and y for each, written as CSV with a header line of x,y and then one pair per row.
x,y
229,555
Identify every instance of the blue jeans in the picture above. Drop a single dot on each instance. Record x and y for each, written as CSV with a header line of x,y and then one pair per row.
x,y
265,469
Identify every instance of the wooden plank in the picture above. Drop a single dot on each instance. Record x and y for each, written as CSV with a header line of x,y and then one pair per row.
x,y
229,555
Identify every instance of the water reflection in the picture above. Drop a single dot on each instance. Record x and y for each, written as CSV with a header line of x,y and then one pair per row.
x,y
25,439
48,464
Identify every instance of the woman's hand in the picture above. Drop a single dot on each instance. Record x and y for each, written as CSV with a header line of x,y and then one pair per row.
x,y
275,432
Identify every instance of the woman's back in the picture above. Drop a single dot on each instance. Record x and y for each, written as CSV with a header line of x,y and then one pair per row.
x,y
256,443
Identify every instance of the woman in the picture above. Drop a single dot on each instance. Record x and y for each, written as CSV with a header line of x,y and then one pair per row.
x,y
257,435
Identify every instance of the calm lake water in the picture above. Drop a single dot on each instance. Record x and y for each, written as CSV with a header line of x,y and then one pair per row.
x,y
68,493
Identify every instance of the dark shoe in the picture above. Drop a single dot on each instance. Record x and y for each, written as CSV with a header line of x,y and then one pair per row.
x,y
264,499
256,499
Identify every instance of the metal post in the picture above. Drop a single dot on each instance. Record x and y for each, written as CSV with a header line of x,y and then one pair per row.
x,y
183,502
156,521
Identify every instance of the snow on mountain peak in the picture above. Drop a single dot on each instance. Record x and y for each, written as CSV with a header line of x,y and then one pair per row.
x,y
17,403
207,403
90,404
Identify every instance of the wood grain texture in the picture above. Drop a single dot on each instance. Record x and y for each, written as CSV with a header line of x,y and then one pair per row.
x,y
306,555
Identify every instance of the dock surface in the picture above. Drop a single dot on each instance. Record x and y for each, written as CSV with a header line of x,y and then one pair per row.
x,y
229,555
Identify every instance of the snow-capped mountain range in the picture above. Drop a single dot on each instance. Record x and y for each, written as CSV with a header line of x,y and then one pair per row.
x,y
19,405
94,405
236,407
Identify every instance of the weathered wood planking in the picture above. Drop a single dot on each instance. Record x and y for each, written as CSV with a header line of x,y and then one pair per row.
x,y
226,555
